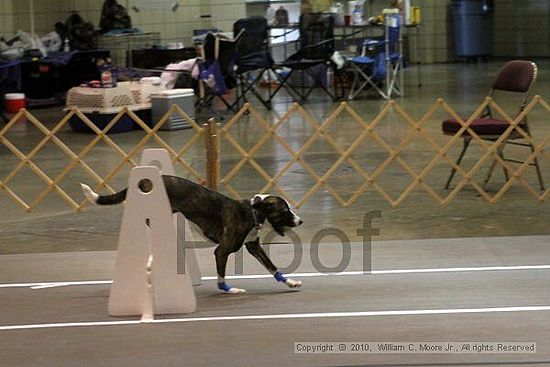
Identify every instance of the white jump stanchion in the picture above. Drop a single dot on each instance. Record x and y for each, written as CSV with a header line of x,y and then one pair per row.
x,y
187,257
148,313
146,281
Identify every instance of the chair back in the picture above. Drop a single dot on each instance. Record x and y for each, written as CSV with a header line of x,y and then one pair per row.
x,y
224,51
515,79
255,35
516,76
393,31
314,29
388,42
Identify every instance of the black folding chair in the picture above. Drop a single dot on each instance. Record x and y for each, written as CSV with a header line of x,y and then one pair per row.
x,y
253,58
217,73
314,56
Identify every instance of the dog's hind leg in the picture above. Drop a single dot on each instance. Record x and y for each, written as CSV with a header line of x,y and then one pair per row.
x,y
221,254
258,252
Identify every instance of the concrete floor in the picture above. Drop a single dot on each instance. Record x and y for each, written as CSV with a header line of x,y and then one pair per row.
x,y
472,292
54,243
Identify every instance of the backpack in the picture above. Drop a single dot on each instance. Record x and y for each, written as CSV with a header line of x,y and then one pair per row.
x,y
81,34
114,16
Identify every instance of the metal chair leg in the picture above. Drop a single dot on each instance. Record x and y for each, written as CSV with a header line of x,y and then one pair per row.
x,y
493,165
353,82
537,168
489,174
462,153
318,82
501,154
249,86
359,85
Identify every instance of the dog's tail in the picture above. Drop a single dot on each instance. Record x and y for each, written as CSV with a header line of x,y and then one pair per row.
x,y
95,198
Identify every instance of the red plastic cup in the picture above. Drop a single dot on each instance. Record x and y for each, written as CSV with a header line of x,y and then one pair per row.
x,y
347,19
14,102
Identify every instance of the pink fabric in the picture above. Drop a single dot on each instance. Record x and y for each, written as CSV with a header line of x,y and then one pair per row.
x,y
168,79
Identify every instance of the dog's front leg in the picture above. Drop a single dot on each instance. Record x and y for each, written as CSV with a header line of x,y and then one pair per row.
x,y
222,252
258,252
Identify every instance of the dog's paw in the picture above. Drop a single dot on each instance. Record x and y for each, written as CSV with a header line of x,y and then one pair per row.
x,y
291,283
229,289
235,290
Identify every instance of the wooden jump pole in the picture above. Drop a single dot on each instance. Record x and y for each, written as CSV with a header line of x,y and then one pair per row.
x,y
212,144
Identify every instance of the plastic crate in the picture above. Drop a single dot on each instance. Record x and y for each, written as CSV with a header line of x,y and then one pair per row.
x,y
101,120
101,105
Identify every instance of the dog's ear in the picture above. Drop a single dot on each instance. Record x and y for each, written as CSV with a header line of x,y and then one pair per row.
x,y
257,200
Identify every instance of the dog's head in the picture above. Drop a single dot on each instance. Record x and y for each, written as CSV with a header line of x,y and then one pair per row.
x,y
276,211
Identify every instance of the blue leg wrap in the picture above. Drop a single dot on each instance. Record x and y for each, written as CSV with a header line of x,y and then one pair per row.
x,y
224,286
280,277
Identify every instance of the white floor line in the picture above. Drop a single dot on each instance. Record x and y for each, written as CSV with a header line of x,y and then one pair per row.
x,y
43,285
62,284
396,271
284,316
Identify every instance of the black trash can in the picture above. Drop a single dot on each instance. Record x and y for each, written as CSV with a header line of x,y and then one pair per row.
x,y
473,28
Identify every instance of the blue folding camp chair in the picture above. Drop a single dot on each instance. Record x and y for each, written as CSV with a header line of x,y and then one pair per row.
x,y
380,64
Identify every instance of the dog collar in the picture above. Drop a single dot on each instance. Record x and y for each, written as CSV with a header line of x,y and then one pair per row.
x,y
257,225
254,233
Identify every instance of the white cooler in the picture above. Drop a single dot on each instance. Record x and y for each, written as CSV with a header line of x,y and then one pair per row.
x,y
162,101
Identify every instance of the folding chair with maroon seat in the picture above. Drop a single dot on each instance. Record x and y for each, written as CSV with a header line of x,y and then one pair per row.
x,y
515,77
